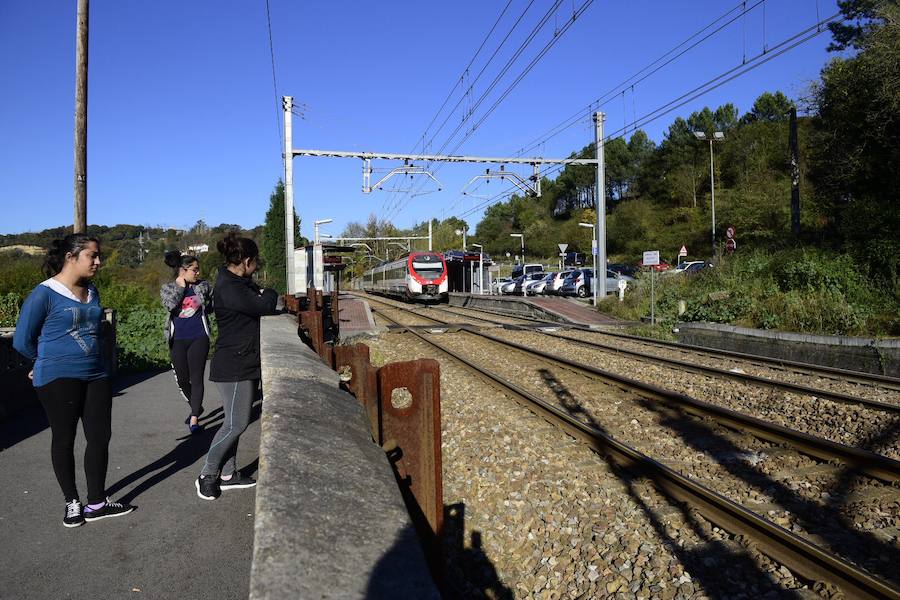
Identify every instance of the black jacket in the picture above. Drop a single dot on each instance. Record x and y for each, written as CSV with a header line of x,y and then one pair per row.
x,y
238,305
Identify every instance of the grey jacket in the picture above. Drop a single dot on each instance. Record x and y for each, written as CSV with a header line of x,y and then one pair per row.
x,y
172,294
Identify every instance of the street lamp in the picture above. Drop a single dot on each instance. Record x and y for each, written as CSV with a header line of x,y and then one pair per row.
x,y
521,237
594,260
717,136
480,268
316,228
462,232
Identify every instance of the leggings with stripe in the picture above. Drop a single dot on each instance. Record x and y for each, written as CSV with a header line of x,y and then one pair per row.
x,y
237,401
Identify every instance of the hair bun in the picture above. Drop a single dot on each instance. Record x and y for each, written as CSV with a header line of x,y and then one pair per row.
x,y
173,258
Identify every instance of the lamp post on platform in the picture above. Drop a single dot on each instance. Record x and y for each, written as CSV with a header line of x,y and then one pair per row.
x,y
521,237
316,228
480,268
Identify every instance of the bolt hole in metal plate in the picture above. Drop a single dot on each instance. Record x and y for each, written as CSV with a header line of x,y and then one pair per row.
x,y
401,398
345,373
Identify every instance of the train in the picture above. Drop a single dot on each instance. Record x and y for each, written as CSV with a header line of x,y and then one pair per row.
x,y
415,277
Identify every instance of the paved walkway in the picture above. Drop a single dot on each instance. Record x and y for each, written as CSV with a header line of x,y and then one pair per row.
x,y
174,546
574,310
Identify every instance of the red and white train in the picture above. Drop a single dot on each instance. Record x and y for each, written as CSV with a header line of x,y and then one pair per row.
x,y
418,276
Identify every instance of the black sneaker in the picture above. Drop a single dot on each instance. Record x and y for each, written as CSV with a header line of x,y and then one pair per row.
x,y
108,510
237,482
208,488
74,514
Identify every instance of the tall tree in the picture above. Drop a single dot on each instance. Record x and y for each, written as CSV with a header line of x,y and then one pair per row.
x,y
273,248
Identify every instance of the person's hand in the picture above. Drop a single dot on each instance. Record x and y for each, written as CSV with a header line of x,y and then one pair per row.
x,y
180,281
31,374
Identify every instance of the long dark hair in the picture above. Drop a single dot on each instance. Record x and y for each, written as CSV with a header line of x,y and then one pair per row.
x,y
177,260
73,244
234,249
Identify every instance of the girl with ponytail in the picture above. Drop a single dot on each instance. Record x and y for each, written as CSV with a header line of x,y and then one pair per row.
x,y
187,299
235,366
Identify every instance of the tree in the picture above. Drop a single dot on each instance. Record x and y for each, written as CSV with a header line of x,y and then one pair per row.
x,y
273,247
772,108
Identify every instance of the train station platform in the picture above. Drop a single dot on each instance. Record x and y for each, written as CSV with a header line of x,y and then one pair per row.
x,y
326,520
355,317
554,308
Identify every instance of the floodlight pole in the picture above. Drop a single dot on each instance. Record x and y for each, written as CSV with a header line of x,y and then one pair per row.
x,y
600,205
288,102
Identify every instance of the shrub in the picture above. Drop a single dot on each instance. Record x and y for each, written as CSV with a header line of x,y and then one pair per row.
x,y
9,309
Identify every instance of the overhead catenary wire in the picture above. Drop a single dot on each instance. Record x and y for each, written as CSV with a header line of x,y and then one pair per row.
x,y
752,63
275,83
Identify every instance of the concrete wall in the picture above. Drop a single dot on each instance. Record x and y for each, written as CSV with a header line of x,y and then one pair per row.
x,y
330,521
858,354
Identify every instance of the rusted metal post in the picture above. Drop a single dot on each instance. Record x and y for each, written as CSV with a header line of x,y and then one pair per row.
x,y
411,426
363,382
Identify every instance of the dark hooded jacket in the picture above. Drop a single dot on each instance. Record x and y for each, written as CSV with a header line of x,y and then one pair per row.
x,y
238,305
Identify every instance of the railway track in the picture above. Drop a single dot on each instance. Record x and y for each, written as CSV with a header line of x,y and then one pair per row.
x,y
795,552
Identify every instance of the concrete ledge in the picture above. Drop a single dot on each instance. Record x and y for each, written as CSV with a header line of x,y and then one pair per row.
x,y
330,521
868,355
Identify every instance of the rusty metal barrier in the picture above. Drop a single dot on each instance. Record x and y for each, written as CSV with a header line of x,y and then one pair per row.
x,y
403,404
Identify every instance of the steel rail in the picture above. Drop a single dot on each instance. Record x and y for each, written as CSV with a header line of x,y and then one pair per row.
x,y
860,460
871,379
801,556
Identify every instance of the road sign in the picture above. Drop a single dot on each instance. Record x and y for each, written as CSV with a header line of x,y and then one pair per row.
x,y
730,245
651,258
729,233
683,251
562,248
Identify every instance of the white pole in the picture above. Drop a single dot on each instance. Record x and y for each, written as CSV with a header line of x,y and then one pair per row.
x,y
429,235
712,185
287,101
600,205
481,271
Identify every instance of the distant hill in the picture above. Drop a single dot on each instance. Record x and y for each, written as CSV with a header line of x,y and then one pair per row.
x,y
30,250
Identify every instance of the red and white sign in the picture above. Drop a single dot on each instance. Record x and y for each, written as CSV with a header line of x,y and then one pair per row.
x,y
683,251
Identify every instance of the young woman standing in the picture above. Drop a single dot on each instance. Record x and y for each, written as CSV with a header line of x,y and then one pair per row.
x,y
187,299
235,366
59,328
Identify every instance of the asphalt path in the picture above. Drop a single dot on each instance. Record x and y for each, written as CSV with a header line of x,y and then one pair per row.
x,y
175,545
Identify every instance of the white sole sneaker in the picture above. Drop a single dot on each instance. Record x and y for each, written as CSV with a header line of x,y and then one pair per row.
x,y
199,495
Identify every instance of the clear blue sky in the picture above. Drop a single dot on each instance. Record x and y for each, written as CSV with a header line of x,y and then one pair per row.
x,y
182,120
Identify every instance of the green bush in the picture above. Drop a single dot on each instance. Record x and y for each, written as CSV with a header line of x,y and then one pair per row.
x,y
9,309
141,341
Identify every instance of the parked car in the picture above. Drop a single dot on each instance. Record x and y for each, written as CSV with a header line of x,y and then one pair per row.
x,y
662,266
527,281
574,259
690,267
496,284
509,286
540,286
623,269
577,283
518,270
613,279
554,283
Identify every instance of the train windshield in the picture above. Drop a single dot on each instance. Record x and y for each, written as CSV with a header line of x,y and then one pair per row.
x,y
428,264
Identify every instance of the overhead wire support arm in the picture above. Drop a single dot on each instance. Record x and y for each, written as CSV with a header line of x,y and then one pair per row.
x,y
404,170
533,188
445,158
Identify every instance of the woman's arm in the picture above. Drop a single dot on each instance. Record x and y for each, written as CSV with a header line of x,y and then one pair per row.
x,y
250,301
31,320
172,294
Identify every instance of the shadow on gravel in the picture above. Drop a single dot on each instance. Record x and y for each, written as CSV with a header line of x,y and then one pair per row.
x,y
188,451
719,569
469,572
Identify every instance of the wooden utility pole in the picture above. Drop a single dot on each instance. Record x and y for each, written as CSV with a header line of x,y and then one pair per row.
x,y
81,100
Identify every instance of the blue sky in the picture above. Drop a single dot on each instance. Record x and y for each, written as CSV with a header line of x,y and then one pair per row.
x,y
182,119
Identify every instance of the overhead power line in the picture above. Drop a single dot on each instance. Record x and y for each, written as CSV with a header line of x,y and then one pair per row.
x,y
752,63
274,82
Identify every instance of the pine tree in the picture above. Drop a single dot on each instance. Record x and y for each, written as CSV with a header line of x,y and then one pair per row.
x,y
272,248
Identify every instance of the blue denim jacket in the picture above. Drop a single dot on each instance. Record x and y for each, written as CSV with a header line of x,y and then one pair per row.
x,y
61,333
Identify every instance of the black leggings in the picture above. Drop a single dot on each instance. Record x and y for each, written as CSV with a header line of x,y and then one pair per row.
x,y
66,401
189,364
